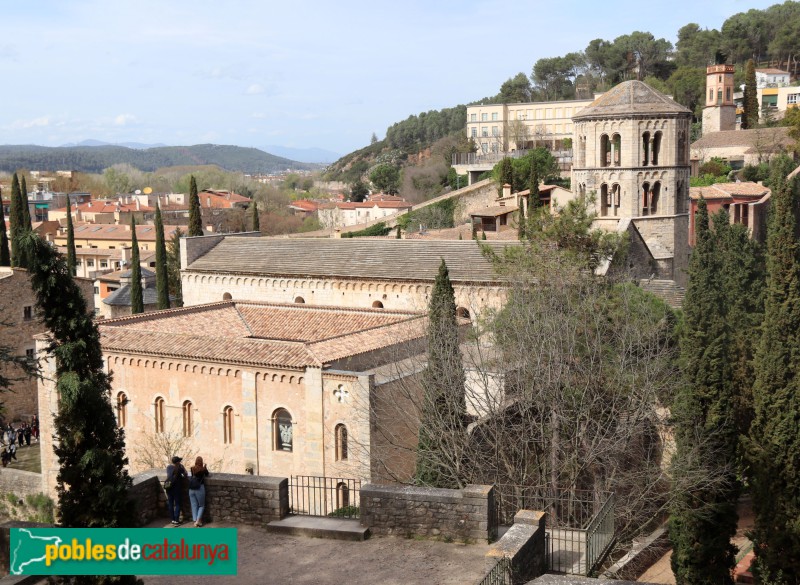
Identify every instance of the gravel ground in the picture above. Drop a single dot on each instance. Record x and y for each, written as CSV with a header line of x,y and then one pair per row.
x,y
271,558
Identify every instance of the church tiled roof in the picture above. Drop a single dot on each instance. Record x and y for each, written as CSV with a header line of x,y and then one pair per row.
x,y
631,97
260,334
369,258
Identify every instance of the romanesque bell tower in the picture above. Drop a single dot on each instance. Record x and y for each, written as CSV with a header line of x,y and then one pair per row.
x,y
719,112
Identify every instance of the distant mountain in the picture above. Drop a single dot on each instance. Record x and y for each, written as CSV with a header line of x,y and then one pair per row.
x,y
93,142
95,158
308,155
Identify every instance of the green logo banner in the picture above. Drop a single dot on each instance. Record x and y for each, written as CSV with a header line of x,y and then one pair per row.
x,y
123,551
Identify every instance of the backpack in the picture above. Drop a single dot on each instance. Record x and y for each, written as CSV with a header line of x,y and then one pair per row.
x,y
170,480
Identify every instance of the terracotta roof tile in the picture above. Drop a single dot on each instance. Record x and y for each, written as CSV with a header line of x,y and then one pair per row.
x,y
729,190
293,336
768,137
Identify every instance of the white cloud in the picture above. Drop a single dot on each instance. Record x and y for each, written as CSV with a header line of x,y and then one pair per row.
x,y
124,119
34,123
255,89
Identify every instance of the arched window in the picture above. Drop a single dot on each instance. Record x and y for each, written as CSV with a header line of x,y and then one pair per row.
x,y
605,151
616,149
188,419
645,198
645,149
282,430
654,197
342,495
122,410
377,305
227,424
462,313
604,200
226,297
656,147
616,192
299,300
159,414
341,443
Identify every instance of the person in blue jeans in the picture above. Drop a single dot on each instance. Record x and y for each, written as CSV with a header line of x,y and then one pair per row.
x,y
197,490
175,474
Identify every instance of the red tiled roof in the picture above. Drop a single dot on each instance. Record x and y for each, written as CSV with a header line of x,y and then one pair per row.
x,y
772,71
111,231
105,206
371,205
729,190
305,205
261,334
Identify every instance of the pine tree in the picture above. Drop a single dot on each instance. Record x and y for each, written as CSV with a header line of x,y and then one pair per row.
x,y
506,175
5,252
26,210
71,256
750,115
256,219
703,519
773,446
16,219
92,482
195,213
174,266
442,425
137,295
162,281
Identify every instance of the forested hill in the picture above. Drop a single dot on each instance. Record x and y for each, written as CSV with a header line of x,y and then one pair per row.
x,y
768,37
93,159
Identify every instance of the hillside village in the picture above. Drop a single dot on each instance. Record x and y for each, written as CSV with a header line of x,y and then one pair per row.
x,y
582,352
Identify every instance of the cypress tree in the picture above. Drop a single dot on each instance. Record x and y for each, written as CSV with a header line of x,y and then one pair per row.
x,y
174,266
26,210
506,175
703,518
533,197
750,115
443,418
16,219
5,252
195,213
92,482
398,235
71,259
256,219
137,298
773,446
162,281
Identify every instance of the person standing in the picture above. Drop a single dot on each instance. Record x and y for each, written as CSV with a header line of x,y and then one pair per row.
x,y
28,433
175,474
197,490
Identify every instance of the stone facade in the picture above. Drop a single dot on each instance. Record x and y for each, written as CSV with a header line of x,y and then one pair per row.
x,y
632,154
19,482
719,112
20,323
466,514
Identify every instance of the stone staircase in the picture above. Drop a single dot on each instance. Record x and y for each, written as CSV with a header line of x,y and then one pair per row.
x,y
666,290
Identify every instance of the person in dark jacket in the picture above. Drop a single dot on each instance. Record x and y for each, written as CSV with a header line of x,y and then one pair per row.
x,y
175,474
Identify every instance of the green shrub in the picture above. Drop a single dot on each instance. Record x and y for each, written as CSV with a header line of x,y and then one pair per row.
x,y
379,229
345,512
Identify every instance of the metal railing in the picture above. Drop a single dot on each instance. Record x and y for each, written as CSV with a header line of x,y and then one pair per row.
x,y
600,535
580,524
564,157
499,574
312,495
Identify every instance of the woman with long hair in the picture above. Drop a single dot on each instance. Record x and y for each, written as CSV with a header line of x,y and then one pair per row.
x,y
197,490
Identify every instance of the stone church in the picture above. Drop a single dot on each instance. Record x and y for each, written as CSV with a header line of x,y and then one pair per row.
x,y
631,153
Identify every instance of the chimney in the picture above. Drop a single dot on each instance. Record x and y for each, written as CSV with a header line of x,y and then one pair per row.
x,y
506,190
124,255
138,205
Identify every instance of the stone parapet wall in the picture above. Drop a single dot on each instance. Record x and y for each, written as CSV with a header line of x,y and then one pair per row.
x,y
238,499
524,545
20,483
464,514
148,495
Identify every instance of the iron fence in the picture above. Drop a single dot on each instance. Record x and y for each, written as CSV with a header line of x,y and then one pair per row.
x,y
499,574
580,524
312,495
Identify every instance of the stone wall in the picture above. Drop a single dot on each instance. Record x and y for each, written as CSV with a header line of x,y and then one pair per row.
x,y
524,545
148,494
465,514
20,483
238,499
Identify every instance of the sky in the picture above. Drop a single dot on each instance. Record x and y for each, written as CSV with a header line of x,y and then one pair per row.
x,y
296,73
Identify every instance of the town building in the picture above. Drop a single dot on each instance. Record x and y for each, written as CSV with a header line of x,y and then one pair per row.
x,y
304,208
346,213
719,112
501,130
108,211
19,324
631,151
390,274
260,388
740,148
771,77
114,291
112,236
747,203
